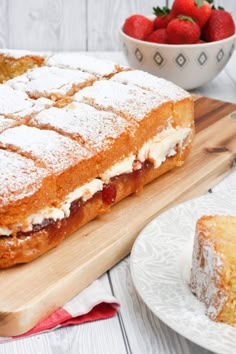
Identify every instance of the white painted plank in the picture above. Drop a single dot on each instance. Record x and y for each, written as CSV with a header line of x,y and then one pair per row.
x,y
3,23
105,17
47,25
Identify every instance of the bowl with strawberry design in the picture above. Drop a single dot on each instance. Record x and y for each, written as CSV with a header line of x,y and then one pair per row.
x,y
188,44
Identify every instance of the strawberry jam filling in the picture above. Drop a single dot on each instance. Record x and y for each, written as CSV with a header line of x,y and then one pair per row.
x,y
108,196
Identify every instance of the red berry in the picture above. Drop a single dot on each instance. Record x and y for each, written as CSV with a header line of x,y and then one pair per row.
x,y
158,36
138,26
109,194
183,30
219,26
199,10
163,17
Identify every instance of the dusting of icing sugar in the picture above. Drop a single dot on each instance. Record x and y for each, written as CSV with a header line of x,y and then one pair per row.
x,y
98,128
56,151
17,54
128,99
16,104
93,65
19,177
6,123
12,101
38,105
49,80
150,82
207,269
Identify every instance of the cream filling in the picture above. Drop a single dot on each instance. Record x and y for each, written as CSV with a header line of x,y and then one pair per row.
x,y
155,150
163,145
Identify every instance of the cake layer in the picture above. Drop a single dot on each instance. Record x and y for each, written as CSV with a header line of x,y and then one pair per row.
x,y
51,82
24,247
170,146
183,108
98,67
151,112
17,105
71,163
25,187
16,62
213,271
108,135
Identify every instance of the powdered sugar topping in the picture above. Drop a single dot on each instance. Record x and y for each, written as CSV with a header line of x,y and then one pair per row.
x,y
150,82
19,177
16,104
54,150
12,101
17,54
87,63
98,128
6,123
128,99
46,81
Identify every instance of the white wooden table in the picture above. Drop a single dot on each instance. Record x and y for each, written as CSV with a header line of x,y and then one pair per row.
x,y
134,329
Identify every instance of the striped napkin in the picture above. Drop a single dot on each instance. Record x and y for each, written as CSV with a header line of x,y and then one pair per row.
x,y
93,303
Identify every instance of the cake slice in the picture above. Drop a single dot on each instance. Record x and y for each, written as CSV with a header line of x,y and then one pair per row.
x,y
156,137
69,161
51,82
107,134
182,114
99,67
16,62
18,106
213,272
25,187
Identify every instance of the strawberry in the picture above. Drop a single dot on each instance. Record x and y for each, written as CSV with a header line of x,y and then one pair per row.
x,y
219,26
183,30
163,17
158,36
138,26
200,10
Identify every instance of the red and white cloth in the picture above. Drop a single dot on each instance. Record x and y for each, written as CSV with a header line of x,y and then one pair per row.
x,y
93,303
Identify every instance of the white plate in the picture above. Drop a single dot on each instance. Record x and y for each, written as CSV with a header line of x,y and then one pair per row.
x,y
160,267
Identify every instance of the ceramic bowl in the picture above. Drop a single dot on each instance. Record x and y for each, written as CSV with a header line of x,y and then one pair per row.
x,y
189,66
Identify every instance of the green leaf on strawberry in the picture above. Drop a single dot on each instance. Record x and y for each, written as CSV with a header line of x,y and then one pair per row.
x,y
186,18
199,3
158,11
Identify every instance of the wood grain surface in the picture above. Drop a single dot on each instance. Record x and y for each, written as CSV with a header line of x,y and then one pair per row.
x,y
71,24
30,292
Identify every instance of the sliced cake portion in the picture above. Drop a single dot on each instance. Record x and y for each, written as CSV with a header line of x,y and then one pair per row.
x,y
71,163
73,199
18,106
213,273
16,62
98,67
156,138
182,112
25,187
51,82
107,134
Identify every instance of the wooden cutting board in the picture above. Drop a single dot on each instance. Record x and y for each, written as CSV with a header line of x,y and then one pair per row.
x,y
31,292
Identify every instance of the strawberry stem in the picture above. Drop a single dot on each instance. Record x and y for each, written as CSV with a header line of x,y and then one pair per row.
x,y
199,3
186,18
158,11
